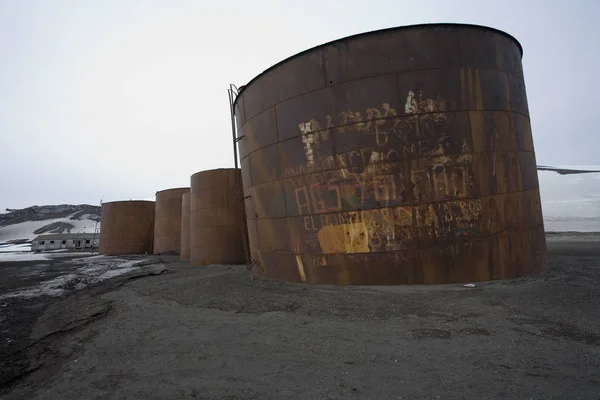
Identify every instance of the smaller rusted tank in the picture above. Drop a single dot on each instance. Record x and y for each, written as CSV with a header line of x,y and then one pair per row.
x,y
216,217
185,227
167,221
127,227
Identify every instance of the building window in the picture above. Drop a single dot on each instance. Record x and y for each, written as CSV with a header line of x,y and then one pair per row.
x,y
87,242
64,242
52,242
42,242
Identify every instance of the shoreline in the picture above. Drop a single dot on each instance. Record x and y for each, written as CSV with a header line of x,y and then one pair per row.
x,y
574,233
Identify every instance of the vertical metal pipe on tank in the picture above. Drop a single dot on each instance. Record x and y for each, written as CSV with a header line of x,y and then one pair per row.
x,y
167,225
232,92
185,227
400,156
127,227
215,215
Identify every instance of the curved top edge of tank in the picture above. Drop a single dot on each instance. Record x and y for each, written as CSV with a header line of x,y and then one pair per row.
x,y
212,170
128,201
177,188
378,31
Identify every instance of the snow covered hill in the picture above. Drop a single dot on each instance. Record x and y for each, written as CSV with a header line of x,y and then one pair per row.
x,y
23,225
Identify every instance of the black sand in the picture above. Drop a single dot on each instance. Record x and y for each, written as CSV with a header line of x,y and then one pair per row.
x,y
212,333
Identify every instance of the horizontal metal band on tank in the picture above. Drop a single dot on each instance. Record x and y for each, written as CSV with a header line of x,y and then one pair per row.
x,y
216,237
399,228
352,149
493,258
394,184
219,216
388,140
213,198
378,98
381,53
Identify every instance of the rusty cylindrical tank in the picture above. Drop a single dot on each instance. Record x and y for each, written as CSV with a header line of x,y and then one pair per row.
x,y
215,217
400,156
185,227
127,227
167,221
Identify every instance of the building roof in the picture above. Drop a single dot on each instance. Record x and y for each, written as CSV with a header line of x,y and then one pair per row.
x,y
66,236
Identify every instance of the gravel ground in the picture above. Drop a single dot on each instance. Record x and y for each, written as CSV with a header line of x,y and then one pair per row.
x,y
213,333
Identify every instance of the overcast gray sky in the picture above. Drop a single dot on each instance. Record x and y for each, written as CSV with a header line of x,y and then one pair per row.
x,y
118,99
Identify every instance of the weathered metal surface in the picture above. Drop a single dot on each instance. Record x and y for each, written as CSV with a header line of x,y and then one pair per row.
x,y
402,156
185,227
167,221
127,227
215,217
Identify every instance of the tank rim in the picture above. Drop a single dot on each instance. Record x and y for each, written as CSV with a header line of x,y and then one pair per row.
x,y
212,170
373,32
177,188
128,201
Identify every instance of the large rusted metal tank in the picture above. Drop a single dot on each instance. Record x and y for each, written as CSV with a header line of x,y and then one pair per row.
x,y
216,216
127,227
185,226
400,156
167,221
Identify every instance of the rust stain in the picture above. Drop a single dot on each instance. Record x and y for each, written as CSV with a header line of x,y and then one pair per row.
x,y
346,238
300,268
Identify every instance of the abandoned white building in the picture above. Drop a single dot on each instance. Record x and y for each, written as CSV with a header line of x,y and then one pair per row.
x,y
74,241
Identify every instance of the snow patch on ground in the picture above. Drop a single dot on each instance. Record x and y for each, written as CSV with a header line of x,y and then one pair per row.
x,y
24,230
22,256
53,287
11,248
86,271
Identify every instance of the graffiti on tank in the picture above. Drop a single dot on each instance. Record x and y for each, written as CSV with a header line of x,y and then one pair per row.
x,y
394,139
406,227
375,120
456,250
424,105
318,164
412,133
382,185
384,229
316,198
321,200
409,184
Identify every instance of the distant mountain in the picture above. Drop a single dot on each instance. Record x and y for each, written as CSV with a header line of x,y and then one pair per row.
x,y
25,224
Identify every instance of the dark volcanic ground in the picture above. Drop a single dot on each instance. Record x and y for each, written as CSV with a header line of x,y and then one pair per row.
x,y
212,333
28,288
17,314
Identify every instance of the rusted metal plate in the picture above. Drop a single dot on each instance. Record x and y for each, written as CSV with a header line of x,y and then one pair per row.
x,y
307,73
185,226
167,221
411,163
127,227
216,217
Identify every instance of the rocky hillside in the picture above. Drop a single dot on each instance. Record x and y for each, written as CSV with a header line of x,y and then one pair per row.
x,y
26,223
41,213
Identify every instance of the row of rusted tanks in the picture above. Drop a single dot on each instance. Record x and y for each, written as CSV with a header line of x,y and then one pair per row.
x,y
201,223
399,156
